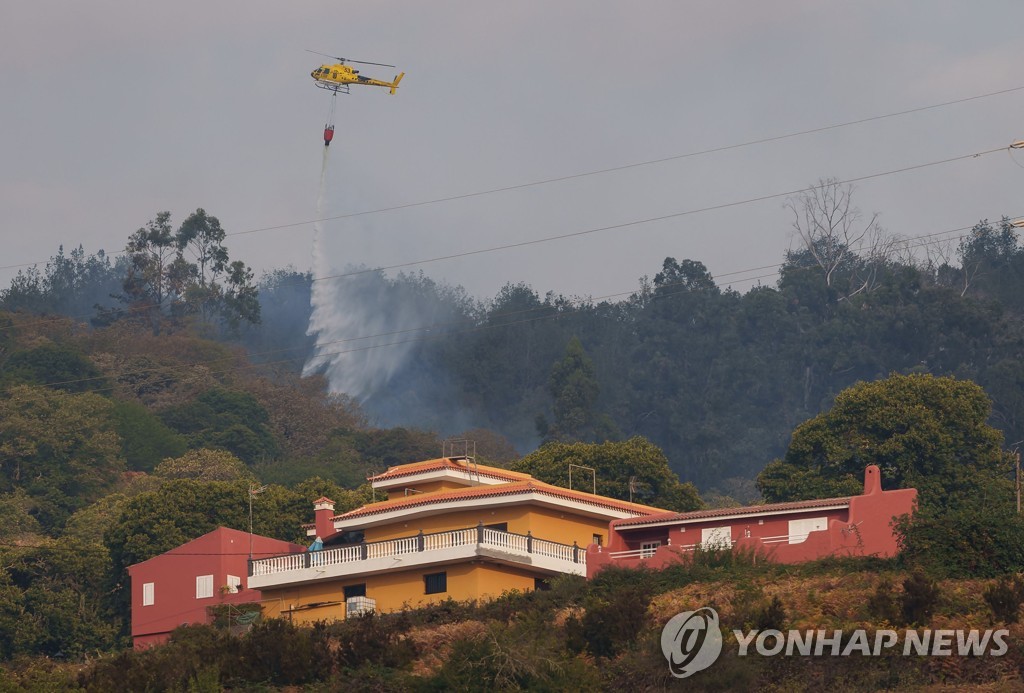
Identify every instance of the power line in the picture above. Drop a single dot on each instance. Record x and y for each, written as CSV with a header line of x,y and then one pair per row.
x,y
612,169
624,167
663,217
557,314
612,227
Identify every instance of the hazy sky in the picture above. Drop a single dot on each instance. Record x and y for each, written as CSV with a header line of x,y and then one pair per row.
x,y
113,111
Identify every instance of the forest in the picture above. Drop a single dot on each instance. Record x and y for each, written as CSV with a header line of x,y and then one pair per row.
x,y
715,378
149,392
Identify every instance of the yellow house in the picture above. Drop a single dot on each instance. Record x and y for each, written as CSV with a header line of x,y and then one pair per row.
x,y
449,528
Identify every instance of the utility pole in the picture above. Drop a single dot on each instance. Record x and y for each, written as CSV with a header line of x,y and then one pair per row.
x,y
1016,467
254,491
1017,457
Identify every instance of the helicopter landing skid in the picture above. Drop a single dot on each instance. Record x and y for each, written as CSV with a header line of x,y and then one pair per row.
x,y
336,88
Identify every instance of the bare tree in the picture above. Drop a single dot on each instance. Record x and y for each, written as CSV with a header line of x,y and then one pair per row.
x,y
836,236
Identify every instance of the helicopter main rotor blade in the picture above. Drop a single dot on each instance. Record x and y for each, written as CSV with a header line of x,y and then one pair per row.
x,y
363,62
347,60
332,57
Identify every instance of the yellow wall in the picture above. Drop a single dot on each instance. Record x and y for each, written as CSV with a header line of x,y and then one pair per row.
x,y
424,487
563,527
469,580
554,525
397,590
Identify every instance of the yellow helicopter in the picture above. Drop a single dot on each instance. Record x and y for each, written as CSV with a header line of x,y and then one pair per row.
x,y
339,76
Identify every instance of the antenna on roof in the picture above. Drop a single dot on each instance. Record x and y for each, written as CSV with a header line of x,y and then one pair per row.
x,y
370,473
593,475
462,449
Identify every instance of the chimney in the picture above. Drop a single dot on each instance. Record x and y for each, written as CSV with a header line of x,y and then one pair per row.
x,y
872,480
323,512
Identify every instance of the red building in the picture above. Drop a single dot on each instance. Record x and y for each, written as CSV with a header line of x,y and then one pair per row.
x,y
781,532
177,587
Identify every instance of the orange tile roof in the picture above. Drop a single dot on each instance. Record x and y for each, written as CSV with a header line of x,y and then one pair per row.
x,y
791,506
515,488
448,463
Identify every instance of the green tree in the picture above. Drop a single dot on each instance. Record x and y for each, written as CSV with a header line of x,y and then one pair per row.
x,y
61,366
231,420
926,432
155,280
632,468
145,440
16,520
575,389
53,600
164,285
60,448
204,465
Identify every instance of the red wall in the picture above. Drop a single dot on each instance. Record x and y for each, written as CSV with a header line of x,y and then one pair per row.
x,y
862,529
220,553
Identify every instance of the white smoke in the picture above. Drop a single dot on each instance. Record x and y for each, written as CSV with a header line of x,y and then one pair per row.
x,y
364,332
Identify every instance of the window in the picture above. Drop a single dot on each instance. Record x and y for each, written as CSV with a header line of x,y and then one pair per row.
x,y
716,538
541,584
435,583
147,594
234,584
354,591
499,527
648,548
204,586
598,539
799,529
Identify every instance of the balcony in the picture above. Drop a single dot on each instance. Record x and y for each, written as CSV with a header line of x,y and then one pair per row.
x,y
745,542
523,550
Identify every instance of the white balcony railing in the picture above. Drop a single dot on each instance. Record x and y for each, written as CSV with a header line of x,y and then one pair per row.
x,y
634,554
421,548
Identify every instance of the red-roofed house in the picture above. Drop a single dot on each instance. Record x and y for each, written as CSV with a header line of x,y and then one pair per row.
x,y
177,587
782,532
449,528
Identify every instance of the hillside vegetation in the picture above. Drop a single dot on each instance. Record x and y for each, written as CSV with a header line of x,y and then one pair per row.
x,y
716,378
604,635
146,399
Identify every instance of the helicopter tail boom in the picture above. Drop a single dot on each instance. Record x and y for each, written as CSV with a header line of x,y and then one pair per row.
x,y
398,78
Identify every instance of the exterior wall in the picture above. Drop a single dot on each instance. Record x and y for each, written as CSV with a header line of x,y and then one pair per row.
x,y
545,523
397,590
400,589
564,528
861,529
173,574
751,527
425,487
513,515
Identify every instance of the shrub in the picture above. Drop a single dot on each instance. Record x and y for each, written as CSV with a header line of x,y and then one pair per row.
x,y
882,604
373,639
1004,598
610,623
982,538
281,653
920,596
772,616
